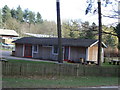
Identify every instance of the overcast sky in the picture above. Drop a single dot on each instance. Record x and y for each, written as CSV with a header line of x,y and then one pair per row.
x,y
70,9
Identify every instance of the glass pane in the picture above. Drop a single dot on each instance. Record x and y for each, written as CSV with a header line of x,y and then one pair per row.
x,y
35,48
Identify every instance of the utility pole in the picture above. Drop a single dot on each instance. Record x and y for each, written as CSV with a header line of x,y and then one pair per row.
x,y
59,32
100,32
118,22
118,11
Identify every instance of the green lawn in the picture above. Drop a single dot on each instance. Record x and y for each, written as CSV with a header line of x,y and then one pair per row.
x,y
106,64
26,61
58,82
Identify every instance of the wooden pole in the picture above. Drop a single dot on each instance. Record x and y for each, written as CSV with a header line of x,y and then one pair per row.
x,y
59,32
118,11
100,32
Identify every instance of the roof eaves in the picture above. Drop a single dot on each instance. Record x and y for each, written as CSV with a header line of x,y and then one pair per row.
x,y
93,43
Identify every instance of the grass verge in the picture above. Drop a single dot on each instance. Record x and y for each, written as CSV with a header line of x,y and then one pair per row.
x,y
28,61
58,82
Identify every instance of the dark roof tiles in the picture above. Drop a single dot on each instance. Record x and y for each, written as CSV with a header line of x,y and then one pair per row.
x,y
54,41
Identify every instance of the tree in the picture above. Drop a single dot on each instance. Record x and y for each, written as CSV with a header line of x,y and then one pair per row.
x,y
88,31
31,17
109,41
112,31
13,13
78,29
91,5
39,18
19,14
6,13
25,15
117,31
0,19
71,28
12,24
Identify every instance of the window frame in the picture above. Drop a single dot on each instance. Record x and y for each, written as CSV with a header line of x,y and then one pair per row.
x,y
53,49
35,51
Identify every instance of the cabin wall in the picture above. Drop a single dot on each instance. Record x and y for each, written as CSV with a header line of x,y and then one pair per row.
x,y
19,50
45,53
93,53
77,52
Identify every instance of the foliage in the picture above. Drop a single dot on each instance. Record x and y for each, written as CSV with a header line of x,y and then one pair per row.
x,y
25,15
14,13
0,19
117,31
6,15
88,31
71,28
107,37
78,29
31,17
39,18
91,7
19,14
110,41
25,21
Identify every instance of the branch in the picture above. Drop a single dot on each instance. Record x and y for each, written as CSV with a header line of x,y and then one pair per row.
x,y
114,16
110,33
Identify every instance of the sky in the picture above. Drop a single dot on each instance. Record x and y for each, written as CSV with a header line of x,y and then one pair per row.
x,y
70,9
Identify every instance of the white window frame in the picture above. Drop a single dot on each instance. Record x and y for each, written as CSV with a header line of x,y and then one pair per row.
x,y
23,49
34,48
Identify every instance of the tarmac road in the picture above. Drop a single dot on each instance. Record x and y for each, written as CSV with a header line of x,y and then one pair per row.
x,y
61,88
5,53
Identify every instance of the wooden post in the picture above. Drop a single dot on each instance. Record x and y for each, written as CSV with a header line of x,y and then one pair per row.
x,y
100,32
1,74
59,32
118,11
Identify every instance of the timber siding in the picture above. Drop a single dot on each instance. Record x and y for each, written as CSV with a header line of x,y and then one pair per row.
x,y
92,53
19,50
77,52
45,52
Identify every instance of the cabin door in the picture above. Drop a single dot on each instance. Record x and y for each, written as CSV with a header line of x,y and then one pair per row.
x,y
28,50
66,53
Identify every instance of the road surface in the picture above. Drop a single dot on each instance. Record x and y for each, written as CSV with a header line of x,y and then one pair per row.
x,y
5,53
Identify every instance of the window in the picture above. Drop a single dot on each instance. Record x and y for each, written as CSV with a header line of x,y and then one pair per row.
x,y
55,49
35,48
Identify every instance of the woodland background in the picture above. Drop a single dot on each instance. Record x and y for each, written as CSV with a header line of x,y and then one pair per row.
x,y
27,21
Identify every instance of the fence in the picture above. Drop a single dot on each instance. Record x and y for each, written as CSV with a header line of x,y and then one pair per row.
x,y
37,69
